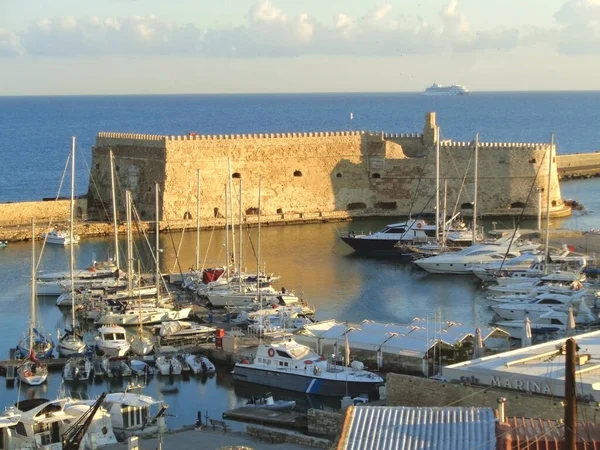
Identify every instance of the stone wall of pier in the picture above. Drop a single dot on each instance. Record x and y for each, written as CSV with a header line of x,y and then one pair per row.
x,y
578,165
404,390
361,173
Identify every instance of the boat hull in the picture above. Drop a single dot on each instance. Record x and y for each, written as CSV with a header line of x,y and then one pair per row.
x,y
304,383
364,245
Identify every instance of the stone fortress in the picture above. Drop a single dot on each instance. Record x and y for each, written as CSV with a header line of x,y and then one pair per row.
x,y
320,174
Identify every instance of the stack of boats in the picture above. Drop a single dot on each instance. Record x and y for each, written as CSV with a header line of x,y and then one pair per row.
x,y
548,293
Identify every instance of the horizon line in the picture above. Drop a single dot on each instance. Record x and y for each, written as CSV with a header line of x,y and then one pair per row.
x,y
297,93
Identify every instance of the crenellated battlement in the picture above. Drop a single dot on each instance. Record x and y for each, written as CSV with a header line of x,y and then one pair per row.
x,y
530,145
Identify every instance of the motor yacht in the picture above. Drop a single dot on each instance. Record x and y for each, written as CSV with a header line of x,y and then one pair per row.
x,y
393,236
60,237
461,262
112,340
293,366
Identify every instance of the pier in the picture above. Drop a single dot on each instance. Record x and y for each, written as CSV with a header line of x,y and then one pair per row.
x,y
578,165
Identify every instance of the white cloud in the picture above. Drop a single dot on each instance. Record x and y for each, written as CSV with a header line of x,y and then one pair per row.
x,y
9,44
272,32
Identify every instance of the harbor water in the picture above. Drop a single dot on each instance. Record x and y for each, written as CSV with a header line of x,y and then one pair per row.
x,y
310,259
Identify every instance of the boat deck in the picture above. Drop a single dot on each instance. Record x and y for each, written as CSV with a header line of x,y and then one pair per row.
x,y
287,419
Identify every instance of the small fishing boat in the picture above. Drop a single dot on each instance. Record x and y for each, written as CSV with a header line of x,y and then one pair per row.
x,y
3,244
60,237
200,364
167,362
267,402
112,341
116,367
77,368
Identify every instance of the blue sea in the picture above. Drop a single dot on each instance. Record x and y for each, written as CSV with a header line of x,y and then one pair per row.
x,y
35,132
35,137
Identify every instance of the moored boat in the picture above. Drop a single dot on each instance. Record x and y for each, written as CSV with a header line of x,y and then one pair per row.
x,y
267,402
292,366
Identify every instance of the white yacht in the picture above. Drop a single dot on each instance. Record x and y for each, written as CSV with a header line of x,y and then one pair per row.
x,y
167,362
290,365
112,340
77,368
42,424
200,364
550,322
133,414
145,315
181,329
100,432
544,304
60,237
9,418
489,271
460,262
454,89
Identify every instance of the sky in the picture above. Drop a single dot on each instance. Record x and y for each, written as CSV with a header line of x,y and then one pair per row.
x,y
56,47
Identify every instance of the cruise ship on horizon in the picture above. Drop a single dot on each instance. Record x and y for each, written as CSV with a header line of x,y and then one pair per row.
x,y
438,89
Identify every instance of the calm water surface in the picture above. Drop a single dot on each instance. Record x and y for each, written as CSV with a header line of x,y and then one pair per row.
x,y
310,259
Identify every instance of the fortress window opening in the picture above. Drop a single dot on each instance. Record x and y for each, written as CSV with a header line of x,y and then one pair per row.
x,y
297,173
376,175
236,175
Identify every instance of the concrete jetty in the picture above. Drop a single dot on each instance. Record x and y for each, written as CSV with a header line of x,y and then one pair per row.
x,y
578,165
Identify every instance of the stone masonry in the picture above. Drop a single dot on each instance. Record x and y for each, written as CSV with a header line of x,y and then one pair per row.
x,y
361,173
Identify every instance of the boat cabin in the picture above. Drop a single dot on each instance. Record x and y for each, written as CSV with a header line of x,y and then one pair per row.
x,y
41,425
133,414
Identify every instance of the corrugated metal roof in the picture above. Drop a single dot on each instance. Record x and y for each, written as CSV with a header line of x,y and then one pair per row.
x,y
405,428
543,434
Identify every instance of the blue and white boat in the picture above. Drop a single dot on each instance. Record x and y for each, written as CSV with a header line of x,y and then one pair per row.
x,y
295,367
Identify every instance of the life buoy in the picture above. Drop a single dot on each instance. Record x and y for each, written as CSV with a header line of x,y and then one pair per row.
x,y
419,225
28,373
271,352
308,362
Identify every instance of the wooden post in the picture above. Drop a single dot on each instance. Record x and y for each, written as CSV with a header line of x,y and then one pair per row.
x,y
570,397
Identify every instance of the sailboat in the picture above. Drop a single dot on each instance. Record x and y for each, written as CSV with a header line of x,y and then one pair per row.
x,y
141,345
70,343
32,371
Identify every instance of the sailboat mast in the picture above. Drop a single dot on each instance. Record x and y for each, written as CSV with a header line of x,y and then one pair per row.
x,y
240,252
72,233
549,182
227,236
437,186
129,243
231,214
115,211
157,241
444,227
476,175
198,223
258,255
32,296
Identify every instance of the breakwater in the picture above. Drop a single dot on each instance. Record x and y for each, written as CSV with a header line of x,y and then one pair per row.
x,y
578,165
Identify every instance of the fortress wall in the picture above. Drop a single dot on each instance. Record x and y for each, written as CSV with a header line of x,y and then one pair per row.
x,y
363,173
297,172
139,163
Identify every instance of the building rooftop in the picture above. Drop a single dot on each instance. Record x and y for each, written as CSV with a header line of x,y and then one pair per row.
x,y
539,368
382,427
413,339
